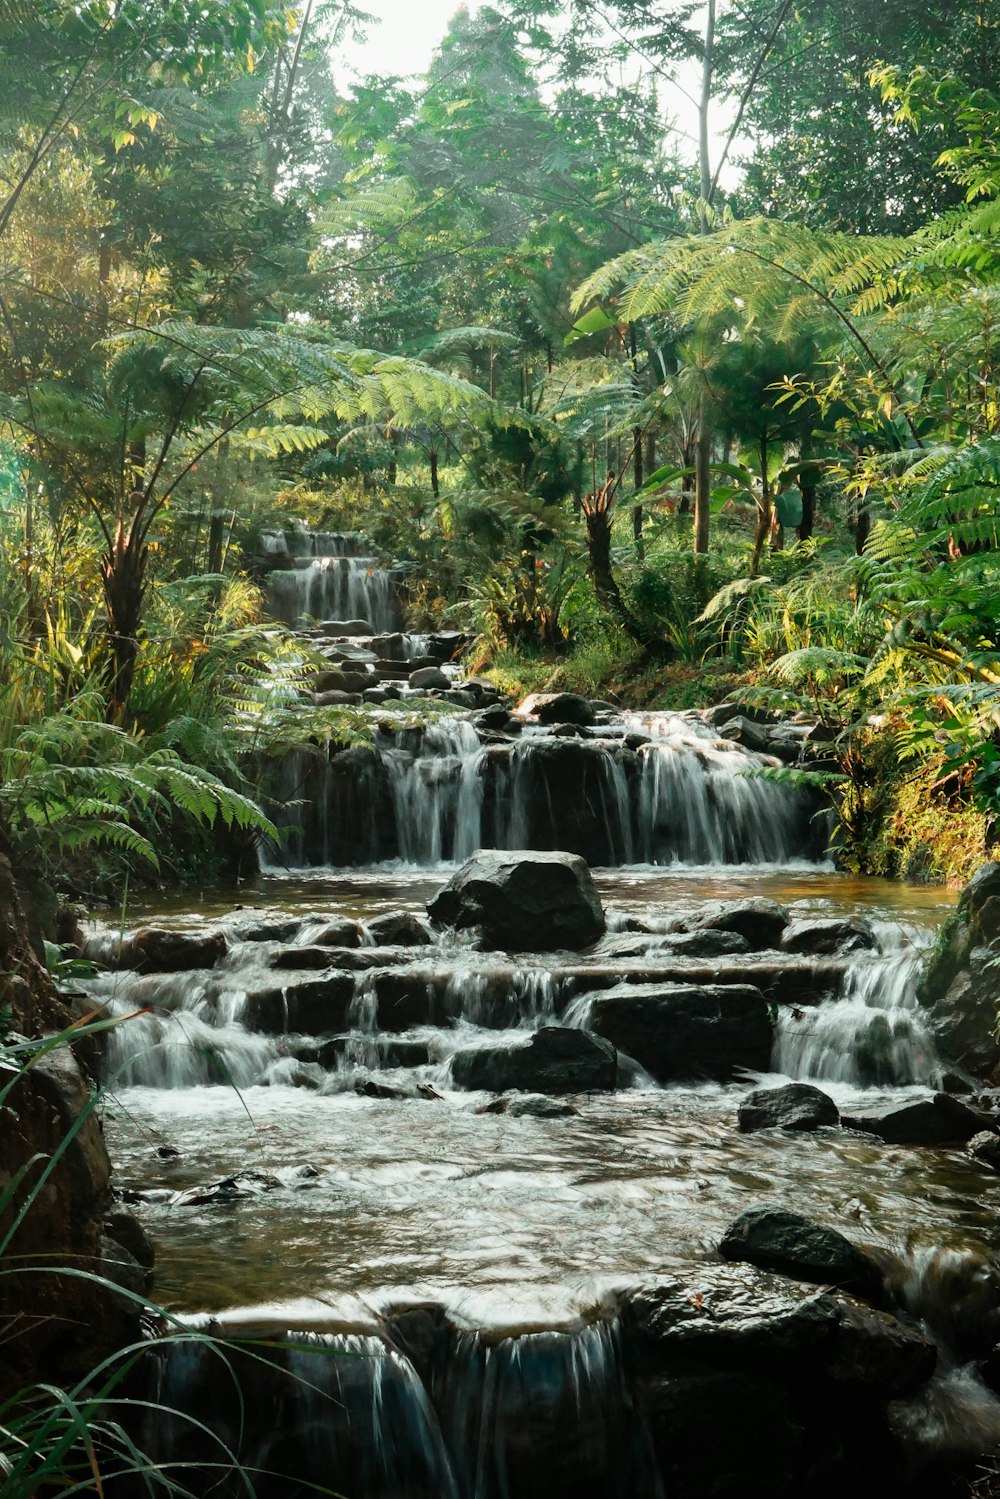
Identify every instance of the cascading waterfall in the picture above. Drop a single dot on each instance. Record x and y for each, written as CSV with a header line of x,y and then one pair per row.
x,y
329,580
493,1419
697,804
435,795
876,1034
437,792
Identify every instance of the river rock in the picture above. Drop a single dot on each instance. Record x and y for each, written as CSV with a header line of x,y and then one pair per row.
x,y
959,984
126,1230
773,1239
680,1032
832,935
160,950
537,1106
313,1006
558,707
760,921
428,676
302,957
551,1060
985,1148
344,933
523,902
343,628
751,736
736,1317
797,1106
342,681
398,929
941,1120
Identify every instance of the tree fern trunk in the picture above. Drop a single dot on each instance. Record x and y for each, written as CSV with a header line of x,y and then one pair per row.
x,y
123,574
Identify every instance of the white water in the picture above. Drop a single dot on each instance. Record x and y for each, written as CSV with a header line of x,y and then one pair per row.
x,y
334,588
875,1034
688,799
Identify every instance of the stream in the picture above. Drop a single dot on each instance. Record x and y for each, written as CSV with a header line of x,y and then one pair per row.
x,y
284,1119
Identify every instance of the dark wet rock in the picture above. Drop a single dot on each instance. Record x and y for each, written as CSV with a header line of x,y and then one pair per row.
x,y
236,1188
344,933
832,935
985,1148
675,944
398,929
338,699
874,1351
375,1087
941,1120
167,1152
392,1051
496,717
744,731
302,957
786,1243
797,1106
342,681
458,696
760,921
267,929
681,1032
537,1106
122,1307
126,1230
558,707
565,794
311,1005
551,1060
158,950
429,676
959,984
735,1317
346,627
523,902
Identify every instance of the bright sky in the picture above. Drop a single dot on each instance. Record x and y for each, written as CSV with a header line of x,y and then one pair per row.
x,y
403,38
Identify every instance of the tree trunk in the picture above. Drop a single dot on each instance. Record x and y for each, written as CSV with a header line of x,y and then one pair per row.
x,y
862,527
637,517
807,489
609,596
435,478
702,488
123,574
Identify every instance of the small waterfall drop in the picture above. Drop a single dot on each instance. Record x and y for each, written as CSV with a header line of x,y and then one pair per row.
x,y
329,580
876,1034
437,788
698,804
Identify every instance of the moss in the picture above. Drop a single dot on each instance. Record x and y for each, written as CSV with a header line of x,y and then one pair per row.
x,y
616,671
923,834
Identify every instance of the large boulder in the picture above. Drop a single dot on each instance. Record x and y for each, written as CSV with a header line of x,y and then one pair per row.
x,y
523,902
959,985
682,1032
762,922
797,1106
773,1239
398,929
551,1060
558,707
833,934
941,1120
152,949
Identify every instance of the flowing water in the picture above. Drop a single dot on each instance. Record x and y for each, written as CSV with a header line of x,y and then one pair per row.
x,y
287,1126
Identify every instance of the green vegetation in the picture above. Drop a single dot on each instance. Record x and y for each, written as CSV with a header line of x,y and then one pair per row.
x,y
650,424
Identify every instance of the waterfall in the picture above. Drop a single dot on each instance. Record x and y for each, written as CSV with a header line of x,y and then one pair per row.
x,y
341,588
508,1418
876,1034
434,795
436,786
698,805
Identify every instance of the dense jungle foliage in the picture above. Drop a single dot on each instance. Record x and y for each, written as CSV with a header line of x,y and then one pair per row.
x,y
651,405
